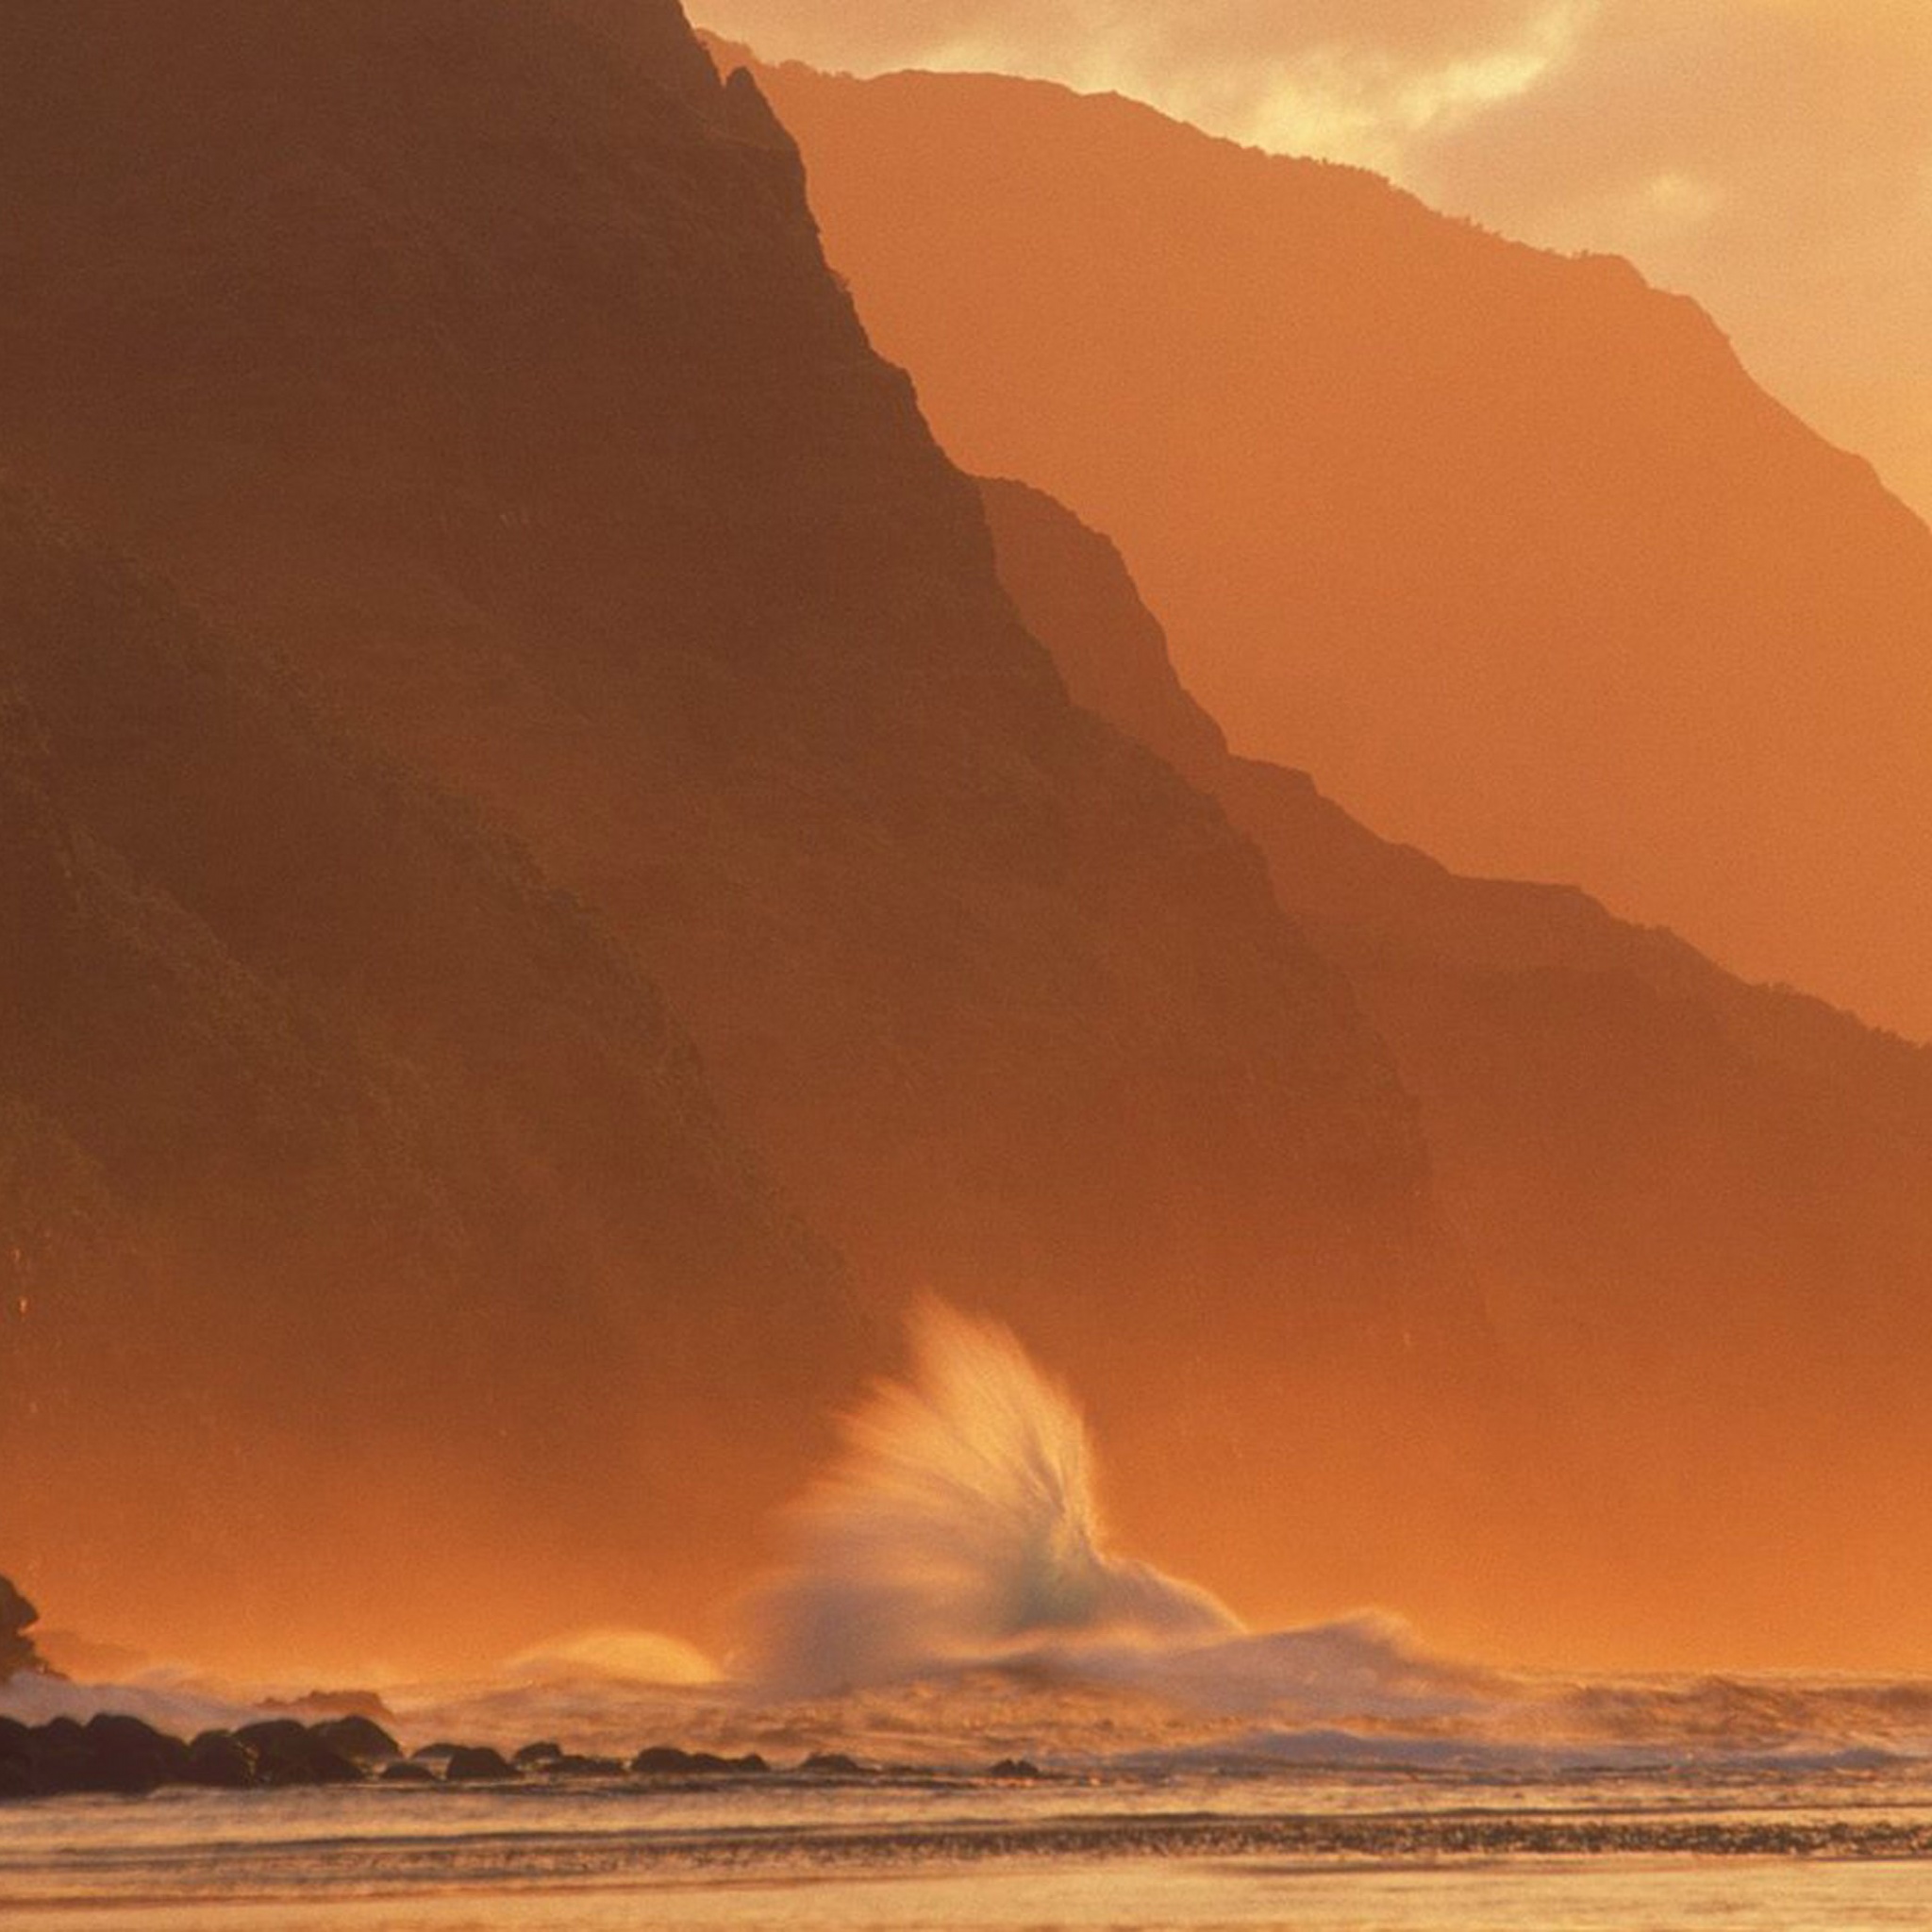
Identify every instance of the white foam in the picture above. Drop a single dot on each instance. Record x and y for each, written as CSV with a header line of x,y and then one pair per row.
x,y
958,1524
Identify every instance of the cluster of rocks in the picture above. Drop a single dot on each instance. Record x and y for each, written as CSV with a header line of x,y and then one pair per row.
x,y
125,1756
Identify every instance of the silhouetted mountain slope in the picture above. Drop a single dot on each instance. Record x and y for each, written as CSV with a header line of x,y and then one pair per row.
x,y
348,1170
487,362
1702,1210
1508,548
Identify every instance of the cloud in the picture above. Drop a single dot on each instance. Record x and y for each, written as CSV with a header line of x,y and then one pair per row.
x,y
1238,64
1772,158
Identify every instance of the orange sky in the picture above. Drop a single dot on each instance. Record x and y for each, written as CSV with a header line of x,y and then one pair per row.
x,y
1772,158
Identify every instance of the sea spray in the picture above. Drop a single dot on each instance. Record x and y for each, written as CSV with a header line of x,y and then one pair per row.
x,y
951,1571
960,1525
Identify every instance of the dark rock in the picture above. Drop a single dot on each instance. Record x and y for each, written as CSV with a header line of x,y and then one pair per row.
x,y
63,1768
358,1737
17,1652
1014,1767
834,1764
16,1760
320,1765
430,1752
56,1736
220,1761
406,1771
478,1764
272,1733
287,1752
667,1760
552,1760
131,1757
111,1729
62,1757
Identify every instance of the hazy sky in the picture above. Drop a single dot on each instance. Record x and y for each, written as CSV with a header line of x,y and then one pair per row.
x,y
1772,158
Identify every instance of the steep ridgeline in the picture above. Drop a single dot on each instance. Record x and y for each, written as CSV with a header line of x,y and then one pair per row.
x,y
1506,548
362,1212
481,353
1702,1210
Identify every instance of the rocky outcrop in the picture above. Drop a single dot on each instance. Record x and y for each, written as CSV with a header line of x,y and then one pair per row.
x,y
126,1756
472,1764
670,1760
358,1738
17,1617
286,1752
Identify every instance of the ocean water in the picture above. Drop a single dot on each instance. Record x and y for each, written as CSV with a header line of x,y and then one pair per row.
x,y
1383,1851
952,1602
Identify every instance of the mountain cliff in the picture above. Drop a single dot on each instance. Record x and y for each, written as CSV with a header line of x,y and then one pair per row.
x,y
481,362
1506,547
348,1165
1701,1210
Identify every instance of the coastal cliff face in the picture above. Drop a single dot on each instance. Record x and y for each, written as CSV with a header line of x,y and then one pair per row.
x,y
1700,1208
480,362
1506,548
351,1170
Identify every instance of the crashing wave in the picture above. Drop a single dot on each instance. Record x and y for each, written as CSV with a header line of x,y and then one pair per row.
x,y
617,1655
960,1525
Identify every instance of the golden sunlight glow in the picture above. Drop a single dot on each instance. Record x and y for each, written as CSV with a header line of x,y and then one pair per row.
x,y
1366,107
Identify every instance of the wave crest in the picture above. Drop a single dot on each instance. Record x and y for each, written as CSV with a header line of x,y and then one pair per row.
x,y
960,1525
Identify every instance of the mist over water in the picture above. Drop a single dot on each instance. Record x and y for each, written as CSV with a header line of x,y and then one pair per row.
x,y
951,1598
952,1605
